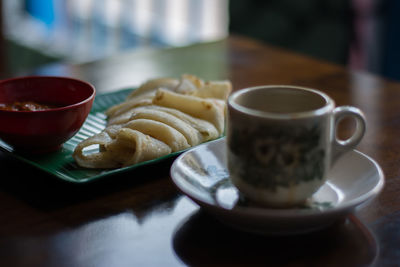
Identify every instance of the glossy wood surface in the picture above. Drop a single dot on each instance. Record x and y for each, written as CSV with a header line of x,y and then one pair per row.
x,y
140,219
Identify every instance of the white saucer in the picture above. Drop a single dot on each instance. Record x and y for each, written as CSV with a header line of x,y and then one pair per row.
x,y
201,174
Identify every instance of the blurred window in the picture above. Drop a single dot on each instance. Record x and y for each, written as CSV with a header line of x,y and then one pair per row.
x,y
83,30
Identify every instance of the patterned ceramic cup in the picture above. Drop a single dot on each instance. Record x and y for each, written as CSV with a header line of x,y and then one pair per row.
x,y
281,142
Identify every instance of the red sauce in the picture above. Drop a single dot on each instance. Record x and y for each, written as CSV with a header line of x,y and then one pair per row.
x,y
25,106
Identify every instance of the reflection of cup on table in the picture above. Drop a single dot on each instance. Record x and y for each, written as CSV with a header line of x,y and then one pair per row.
x,y
281,142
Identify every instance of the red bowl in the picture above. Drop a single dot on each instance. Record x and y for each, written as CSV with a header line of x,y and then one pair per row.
x,y
44,130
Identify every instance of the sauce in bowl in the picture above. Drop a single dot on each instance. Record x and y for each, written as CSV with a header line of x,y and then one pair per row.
x,y
25,106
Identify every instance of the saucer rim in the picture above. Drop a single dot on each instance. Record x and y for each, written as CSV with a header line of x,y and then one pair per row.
x,y
344,207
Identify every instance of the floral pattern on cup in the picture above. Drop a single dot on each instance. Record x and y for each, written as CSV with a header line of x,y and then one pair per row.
x,y
283,157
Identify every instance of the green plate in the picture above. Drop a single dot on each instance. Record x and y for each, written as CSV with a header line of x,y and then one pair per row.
x,y
61,164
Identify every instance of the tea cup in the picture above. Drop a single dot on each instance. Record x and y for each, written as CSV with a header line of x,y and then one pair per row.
x,y
282,141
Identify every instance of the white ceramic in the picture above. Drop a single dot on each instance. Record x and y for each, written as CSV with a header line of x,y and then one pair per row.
x,y
201,173
281,141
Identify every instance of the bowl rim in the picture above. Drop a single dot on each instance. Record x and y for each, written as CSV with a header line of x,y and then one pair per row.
x,y
87,99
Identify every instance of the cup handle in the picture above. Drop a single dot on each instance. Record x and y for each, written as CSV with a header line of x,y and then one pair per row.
x,y
342,146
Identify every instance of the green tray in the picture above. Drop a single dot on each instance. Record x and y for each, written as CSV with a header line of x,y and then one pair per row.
x,y
61,164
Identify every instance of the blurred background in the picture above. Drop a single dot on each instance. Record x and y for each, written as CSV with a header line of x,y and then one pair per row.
x,y
359,34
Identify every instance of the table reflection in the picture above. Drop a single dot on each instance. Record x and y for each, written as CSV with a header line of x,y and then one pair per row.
x,y
130,238
347,243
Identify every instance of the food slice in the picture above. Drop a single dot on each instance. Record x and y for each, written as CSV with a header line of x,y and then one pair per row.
x,y
192,135
161,131
131,147
215,89
205,128
149,87
126,106
195,106
101,159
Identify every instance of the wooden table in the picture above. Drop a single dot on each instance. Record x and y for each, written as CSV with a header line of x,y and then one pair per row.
x,y
140,219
